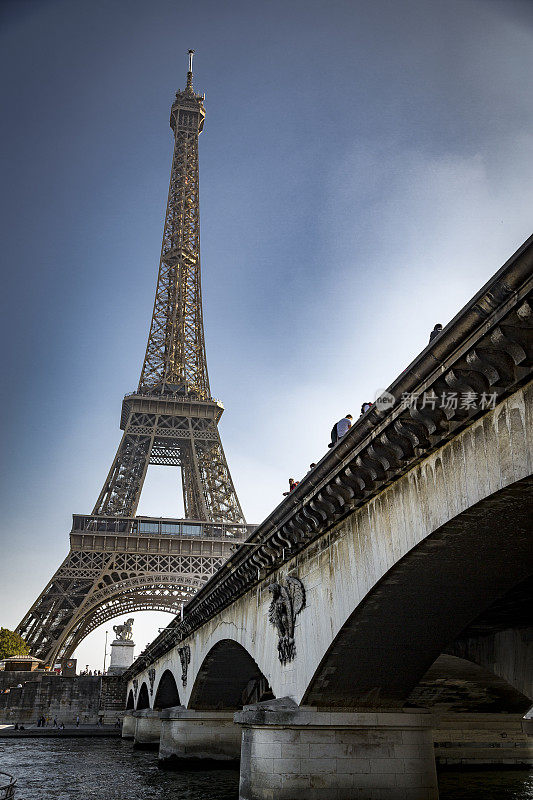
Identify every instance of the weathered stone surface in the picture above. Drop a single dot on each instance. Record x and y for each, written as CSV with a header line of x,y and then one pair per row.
x,y
121,656
291,753
198,736
147,729
50,695
128,725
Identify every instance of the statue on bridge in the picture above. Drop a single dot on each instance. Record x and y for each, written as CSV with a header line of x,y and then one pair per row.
x,y
287,602
124,632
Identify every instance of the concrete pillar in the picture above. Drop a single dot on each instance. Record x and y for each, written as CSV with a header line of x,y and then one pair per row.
x,y
198,738
128,725
147,729
292,753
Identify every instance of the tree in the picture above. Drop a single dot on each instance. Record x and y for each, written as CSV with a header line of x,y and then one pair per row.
x,y
11,644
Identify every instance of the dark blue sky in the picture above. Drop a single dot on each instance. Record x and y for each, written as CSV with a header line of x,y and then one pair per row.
x,y
365,167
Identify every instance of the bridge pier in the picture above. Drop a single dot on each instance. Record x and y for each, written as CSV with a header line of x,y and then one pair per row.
x,y
147,729
128,725
290,753
196,738
482,739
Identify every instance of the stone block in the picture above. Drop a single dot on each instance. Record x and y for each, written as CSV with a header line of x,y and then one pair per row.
x,y
297,750
367,780
295,782
410,751
412,737
269,780
262,766
414,764
287,765
270,750
353,765
386,765
411,780
343,780
314,766
323,750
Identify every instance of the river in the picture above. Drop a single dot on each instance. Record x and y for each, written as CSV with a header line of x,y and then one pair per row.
x,y
110,769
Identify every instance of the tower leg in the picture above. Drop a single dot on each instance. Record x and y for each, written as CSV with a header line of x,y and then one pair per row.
x,y
122,489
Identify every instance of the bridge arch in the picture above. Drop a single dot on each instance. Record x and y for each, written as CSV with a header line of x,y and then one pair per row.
x,y
167,694
130,702
228,679
143,701
425,602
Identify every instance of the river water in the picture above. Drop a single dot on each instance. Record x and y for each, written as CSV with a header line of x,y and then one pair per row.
x,y
110,769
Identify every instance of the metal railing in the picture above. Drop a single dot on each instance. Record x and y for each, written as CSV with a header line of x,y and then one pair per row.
x,y
179,398
7,786
155,526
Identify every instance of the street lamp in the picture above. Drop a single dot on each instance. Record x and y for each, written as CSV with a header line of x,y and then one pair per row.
x,y
105,650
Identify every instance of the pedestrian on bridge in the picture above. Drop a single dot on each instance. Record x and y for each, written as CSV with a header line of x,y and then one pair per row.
x,y
292,485
340,429
435,332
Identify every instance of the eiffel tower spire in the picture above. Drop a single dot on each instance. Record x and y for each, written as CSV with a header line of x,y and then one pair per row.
x,y
175,361
119,563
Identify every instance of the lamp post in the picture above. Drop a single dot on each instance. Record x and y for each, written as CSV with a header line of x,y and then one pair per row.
x,y
105,650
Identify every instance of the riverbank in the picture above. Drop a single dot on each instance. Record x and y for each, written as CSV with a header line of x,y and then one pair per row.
x,y
68,732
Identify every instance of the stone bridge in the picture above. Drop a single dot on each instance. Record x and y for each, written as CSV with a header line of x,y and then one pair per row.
x,y
393,585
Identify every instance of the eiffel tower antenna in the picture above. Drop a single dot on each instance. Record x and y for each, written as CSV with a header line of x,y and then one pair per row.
x,y
171,420
189,73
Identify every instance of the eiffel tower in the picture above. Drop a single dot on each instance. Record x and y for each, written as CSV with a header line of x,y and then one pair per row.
x,y
118,562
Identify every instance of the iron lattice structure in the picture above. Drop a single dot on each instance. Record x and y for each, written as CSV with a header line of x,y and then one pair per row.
x,y
170,420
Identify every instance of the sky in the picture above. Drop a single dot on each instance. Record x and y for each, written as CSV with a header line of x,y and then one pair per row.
x,y
365,167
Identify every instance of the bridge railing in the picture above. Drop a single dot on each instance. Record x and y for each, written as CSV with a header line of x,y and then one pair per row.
x,y
156,526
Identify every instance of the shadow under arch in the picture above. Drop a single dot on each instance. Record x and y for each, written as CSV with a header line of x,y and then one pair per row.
x,y
425,602
167,694
130,703
143,701
228,679
456,685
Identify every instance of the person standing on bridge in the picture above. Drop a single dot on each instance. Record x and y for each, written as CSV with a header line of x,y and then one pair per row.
x,y
292,485
340,429
435,332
